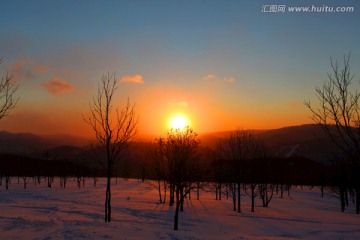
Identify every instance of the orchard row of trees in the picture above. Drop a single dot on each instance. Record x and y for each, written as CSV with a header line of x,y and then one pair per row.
x,y
27,169
239,166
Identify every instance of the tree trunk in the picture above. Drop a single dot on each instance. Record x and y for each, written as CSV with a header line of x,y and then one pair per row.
x,y
198,191
252,197
49,182
181,199
172,189
25,181
176,217
342,199
164,192
7,181
239,198
219,190
107,200
357,200
227,190
234,196
266,195
159,189
216,191
189,192
346,197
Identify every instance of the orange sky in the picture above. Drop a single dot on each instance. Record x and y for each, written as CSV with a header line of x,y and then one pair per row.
x,y
155,106
225,65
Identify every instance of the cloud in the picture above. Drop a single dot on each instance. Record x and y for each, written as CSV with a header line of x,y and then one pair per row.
x,y
178,104
27,68
20,65
214,77
210,76
22,68
56,86
133,79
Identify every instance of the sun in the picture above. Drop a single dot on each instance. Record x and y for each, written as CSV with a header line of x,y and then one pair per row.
x,y
178,122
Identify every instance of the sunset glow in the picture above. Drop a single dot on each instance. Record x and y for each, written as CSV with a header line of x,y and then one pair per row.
x,y
243,69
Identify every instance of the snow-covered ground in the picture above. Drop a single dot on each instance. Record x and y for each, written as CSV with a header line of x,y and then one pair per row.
x,y
43,213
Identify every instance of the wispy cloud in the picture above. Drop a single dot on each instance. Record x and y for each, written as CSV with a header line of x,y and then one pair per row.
x,y
178,104
27,68
22,68
133,79
56,86
210,76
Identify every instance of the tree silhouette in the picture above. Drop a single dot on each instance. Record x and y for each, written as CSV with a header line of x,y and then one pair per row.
x,y
156,153
180,148
338,113
7,93
258,152
114,130
8,101
238,148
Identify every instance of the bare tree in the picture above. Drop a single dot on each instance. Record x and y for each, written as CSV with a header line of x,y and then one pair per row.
x,y
180,148
338,113
257,153
201,170
238,147
8,100
225,160
114,129
242,151
266,191
156,152
219,169
8,89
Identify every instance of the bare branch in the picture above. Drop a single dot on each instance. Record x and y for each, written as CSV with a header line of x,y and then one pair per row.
x,y
338,111
114,130
8,89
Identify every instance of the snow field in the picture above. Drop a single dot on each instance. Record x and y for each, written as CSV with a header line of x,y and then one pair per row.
x,y
71,213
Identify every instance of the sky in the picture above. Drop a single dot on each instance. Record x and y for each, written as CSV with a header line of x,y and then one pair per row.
x,y
222,64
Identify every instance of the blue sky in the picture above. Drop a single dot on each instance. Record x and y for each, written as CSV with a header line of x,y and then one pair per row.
x,y
234,66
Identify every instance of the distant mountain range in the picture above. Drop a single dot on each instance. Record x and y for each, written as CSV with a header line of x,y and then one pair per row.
x,y
307,141
30,144
298,141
